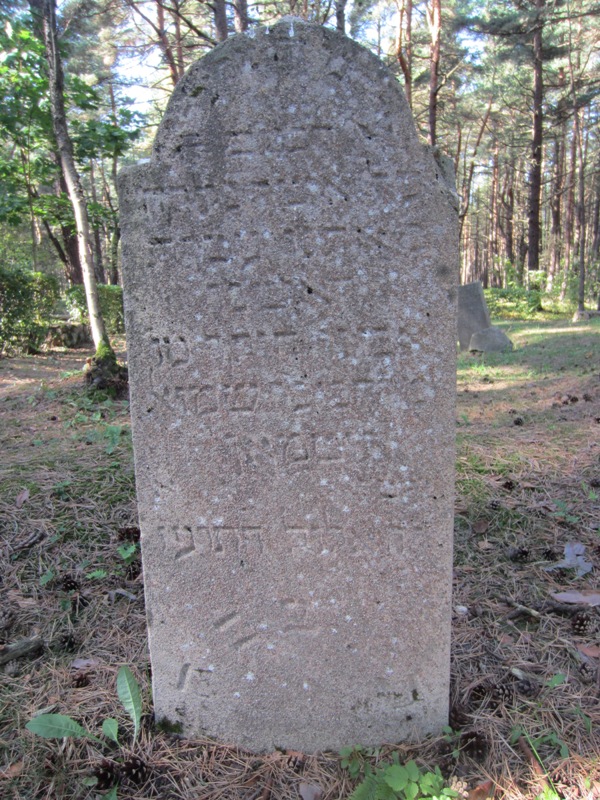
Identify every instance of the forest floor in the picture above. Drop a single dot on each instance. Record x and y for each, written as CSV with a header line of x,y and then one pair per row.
x,y
525,670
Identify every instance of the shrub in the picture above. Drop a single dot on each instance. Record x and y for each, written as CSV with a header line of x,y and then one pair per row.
x,y
514,301
111,306
27,300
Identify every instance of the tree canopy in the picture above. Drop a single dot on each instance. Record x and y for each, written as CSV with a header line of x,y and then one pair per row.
x,y
508,89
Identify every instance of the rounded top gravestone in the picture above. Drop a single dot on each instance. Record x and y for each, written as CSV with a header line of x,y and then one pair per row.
x,y
290,261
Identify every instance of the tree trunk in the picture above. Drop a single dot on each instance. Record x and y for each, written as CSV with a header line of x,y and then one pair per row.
x,y
98,261
114,255
240,15
556,208
404,45
434,16
73,260
493,219
535,171
45,12
164,44
466,195
581,215
220,20
340,15
569,217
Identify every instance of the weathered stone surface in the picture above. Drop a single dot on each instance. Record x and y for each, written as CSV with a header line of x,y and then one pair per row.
x,y
473,314
290,261
490,340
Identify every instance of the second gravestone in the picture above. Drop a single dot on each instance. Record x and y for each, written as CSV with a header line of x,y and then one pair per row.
x,y
290,261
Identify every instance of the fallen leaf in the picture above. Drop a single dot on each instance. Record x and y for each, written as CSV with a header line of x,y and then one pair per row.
x,y
482,791
485,544
590,597
23,602
84,663
22,497
13,771
573,559
590,650
481,526
309,791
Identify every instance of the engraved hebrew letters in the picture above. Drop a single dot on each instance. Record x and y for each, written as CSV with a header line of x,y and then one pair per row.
x,y
290,335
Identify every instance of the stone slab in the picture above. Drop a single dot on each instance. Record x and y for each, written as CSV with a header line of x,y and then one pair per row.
x,y
490,340
290,262
473,314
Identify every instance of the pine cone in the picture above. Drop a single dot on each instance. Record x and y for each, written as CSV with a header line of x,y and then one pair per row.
x,y
500,694
12,668
494,505
587,672
8,616
135,770
527,687
474,745
549,555
106,774
130,533
518,421
67,642
70,584
81,680
477,695
459,786
509,484
583,623
518,554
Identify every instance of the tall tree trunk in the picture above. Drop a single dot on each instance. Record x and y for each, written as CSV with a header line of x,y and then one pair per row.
x,y
466,193
240,15
98,261
569,225
556,207
340,15
434,16
73,258
220,20
493,219
404,45
114,255
581,215
507,198
578,141
45,12
535,171
164,44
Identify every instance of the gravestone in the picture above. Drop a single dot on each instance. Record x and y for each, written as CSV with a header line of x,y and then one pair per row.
x,y
290,261
490,340
473,314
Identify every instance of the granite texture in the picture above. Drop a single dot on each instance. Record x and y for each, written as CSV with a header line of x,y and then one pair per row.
x,y
290,267
490,340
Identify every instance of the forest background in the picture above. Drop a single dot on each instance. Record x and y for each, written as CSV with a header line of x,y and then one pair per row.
x,y
508,90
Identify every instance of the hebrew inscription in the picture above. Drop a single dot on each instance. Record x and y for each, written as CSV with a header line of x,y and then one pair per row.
x,y
289,259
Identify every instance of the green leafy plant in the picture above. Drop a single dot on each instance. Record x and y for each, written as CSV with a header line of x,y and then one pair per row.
x,y
60,726
27,300
111,306
128,552
395,781
354,759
